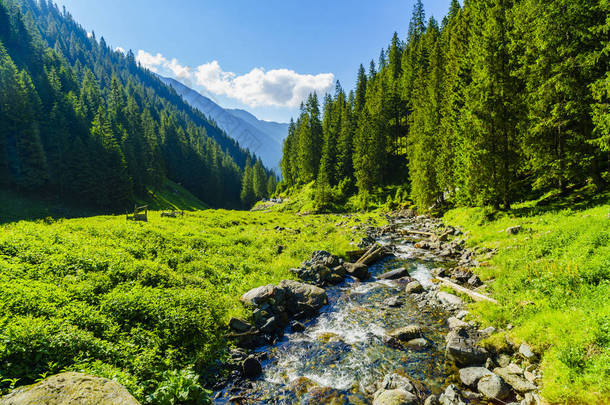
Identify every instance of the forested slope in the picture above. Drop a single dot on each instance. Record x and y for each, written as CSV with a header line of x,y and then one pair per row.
x,y
502,100
86,123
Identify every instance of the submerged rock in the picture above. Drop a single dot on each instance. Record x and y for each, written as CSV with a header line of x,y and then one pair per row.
x,y
393,302
406,333
251,367
395,381
417,344
71,388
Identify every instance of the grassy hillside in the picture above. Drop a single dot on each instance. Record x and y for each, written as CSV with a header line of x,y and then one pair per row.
x,y
553,283
133,300
15,206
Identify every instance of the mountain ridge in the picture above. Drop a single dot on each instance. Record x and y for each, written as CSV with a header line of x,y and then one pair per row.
x,y
262,138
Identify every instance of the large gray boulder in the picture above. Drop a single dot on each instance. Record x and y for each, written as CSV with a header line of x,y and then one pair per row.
x,y
515,379
463,349
493,387
301,293
406,333
71,389
470,376
261,295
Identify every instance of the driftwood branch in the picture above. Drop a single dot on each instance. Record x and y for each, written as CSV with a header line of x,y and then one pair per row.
x,y
474,295
372,255
412,232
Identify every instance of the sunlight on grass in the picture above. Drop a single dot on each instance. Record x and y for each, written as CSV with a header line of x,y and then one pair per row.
x,y
553,283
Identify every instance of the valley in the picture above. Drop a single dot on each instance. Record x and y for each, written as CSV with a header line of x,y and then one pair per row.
x,y
436,232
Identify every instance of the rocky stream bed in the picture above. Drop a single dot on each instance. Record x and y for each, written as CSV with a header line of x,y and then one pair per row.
x,y
385,333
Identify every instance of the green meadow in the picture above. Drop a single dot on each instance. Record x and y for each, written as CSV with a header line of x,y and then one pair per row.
x,y
553,283
138,301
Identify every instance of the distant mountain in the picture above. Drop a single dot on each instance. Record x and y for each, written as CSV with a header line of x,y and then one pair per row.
x,y
263,138
277,129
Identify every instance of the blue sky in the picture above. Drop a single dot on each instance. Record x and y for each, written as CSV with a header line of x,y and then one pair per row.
x,y
263,56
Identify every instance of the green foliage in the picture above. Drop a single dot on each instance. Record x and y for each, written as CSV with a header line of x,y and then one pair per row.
x,y
552,281
504,100
180,387
135,301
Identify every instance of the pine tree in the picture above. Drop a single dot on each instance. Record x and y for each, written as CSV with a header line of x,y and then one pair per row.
x,y
271,185
115,187
259,180
248,196
557,44
33,171
424,141
489,156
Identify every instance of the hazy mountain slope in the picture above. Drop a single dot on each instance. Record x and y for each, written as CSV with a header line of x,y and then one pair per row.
x,y
278,130
260,137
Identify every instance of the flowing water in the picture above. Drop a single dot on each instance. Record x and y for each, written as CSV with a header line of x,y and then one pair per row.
x,y
342,354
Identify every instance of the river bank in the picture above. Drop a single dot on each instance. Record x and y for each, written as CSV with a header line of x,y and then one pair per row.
x,y
397,337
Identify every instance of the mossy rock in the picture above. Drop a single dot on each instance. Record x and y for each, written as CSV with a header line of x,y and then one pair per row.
x,y
71,388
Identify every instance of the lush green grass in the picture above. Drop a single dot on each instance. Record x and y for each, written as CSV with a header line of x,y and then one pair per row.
x,y
553,284
131,300
302,199
172,196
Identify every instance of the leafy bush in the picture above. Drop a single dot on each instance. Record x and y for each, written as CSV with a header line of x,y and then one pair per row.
x,y
180,387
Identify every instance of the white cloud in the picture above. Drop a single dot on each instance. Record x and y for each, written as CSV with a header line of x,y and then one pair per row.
x,y
276,87
118,48
89,34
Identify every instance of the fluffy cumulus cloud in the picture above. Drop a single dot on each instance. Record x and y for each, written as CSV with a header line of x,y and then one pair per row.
x,y
259,87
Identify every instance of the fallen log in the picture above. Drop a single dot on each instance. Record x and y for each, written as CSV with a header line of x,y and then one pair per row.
x,y
412,232
355,254
368,252
472,294
375,256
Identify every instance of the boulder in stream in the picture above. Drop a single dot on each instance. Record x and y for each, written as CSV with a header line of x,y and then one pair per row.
x,y
406,333
470,376
395,397
297,293
463,349
414,287
251,367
